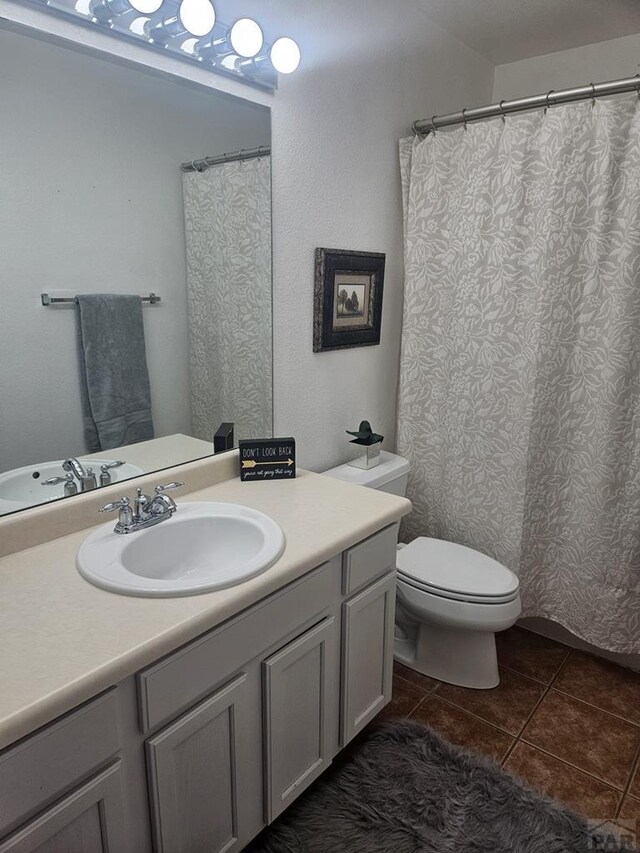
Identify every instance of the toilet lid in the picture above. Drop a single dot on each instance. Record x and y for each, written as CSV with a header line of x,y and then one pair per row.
x,y
455,570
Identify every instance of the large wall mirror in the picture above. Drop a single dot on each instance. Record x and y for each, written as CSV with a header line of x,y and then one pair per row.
x,y
97,202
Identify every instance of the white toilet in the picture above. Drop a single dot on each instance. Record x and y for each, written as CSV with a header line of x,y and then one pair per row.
x,y
451,599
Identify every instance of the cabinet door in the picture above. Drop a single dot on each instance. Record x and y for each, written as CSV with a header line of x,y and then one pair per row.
x,y
198,775
299,706
367,655
90,820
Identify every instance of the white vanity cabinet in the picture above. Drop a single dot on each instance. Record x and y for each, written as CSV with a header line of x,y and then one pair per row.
x,y
61,789
201,769
368,617
88,820
367,663
300,704
219,736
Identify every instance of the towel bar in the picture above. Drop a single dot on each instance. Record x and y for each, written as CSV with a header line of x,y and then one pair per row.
x,y
46,299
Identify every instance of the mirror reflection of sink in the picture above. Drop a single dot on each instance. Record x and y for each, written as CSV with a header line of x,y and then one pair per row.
x,y
20,488
205,546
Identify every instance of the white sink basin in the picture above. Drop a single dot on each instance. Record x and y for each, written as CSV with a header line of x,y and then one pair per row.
x,y
202,547
20,487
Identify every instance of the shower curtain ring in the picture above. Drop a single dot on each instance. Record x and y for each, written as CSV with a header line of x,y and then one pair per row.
x,y
504,118
464,118
593,95
433,124
638,76
549,93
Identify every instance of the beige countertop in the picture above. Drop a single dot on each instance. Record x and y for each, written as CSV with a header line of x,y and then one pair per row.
x,y
64,640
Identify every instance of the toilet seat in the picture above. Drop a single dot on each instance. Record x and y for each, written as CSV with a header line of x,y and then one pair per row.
x,y
455,572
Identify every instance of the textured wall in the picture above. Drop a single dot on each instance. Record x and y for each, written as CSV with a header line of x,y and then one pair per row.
x,y
606,60
370,68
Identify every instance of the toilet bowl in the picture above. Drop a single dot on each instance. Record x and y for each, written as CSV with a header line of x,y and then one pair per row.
x,y
451,600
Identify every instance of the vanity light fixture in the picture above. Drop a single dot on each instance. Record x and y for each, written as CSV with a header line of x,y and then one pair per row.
x,y
188,18
146,7
189,29
197,16
285,55
246,38
108,10
243,39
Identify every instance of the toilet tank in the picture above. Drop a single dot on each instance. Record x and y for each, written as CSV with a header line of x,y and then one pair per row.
x,y
389,476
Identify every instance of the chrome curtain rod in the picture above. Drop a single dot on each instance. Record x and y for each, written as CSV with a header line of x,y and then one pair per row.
x,y
47,299
242,154
563,96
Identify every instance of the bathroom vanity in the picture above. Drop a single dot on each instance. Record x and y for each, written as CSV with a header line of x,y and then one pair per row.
x,y
133,725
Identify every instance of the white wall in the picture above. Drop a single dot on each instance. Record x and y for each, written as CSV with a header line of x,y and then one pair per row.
x,y
593,63
370,68
91,202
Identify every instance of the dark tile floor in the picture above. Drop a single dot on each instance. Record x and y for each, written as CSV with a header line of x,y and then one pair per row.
x,y
566,722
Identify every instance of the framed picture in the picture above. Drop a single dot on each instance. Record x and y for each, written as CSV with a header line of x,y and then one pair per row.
x,y
347,309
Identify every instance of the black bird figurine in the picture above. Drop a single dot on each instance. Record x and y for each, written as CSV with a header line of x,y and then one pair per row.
x,y
364,435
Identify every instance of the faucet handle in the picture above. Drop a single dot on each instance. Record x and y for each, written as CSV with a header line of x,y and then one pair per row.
x,y
70,487
125,518
53,481
115,464
123,503
161,489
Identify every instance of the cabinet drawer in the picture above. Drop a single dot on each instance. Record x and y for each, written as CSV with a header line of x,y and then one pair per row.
x,y
44,766
182,679
369,559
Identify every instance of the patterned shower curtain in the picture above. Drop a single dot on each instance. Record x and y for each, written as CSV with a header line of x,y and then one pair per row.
x,y
227,211
519,401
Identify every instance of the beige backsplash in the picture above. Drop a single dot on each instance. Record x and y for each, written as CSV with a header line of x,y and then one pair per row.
x,y
40,524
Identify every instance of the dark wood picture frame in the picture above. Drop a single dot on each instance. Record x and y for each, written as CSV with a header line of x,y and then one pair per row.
x,y
342,319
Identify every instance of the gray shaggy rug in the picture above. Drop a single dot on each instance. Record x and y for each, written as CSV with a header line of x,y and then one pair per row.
x,y
403,789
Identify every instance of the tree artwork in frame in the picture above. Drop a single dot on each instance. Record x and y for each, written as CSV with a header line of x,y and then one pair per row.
x,y
347,309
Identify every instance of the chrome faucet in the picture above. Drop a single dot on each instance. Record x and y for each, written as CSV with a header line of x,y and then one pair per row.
x,y
146,512
86,478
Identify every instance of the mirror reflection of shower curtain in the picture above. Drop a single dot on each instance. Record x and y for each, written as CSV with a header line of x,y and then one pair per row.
x,y
228,241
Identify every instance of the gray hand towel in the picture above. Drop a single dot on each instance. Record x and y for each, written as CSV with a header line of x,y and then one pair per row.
x,y
114,380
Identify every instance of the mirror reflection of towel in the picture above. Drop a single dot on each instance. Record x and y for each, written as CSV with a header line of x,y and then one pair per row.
x,y
114,380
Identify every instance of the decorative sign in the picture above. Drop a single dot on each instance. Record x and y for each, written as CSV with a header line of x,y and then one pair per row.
x,y
267,459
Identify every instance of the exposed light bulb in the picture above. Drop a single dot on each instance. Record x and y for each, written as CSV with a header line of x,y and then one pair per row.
x,y
107,11
230,62
285,55
139,26
246,38
197,16
189,46
146,7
